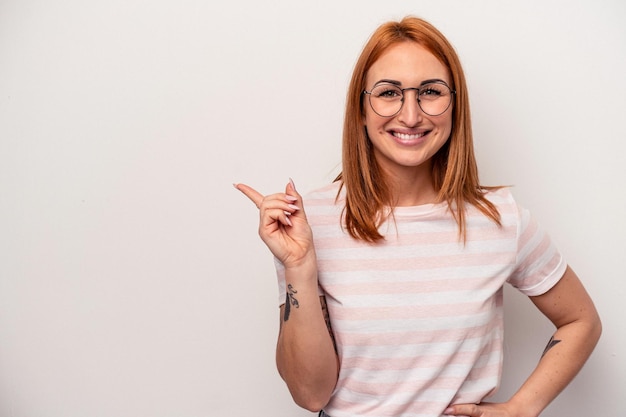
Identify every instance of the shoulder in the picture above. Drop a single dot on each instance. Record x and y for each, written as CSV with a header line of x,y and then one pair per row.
x,y
322,205
511,213
514,214
326,195
504,201
500,195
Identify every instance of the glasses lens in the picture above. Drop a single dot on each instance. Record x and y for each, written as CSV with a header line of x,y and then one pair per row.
x,y
435,98
386,99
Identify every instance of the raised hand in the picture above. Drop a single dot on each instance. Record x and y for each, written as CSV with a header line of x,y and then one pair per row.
x,y
283,225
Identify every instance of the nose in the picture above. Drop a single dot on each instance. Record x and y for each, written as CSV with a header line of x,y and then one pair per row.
x,y
411,113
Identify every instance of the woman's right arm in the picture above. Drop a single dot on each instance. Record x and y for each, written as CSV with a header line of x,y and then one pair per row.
x,y
305,352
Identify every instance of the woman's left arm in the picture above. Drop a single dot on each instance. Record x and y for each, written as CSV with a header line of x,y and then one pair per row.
x,y
578,325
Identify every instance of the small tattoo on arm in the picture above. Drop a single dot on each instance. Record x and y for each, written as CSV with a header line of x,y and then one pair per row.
x,y
550,345
290,300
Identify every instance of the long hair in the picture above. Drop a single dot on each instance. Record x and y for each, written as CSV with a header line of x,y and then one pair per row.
x,y
454,170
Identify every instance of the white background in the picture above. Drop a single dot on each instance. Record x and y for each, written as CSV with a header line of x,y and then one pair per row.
x,y
132,279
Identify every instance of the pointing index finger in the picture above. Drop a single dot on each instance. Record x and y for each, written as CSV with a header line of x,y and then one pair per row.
x,y
251,193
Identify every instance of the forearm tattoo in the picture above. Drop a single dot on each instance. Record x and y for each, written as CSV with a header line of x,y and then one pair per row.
x,y
327,320
290,300
550,345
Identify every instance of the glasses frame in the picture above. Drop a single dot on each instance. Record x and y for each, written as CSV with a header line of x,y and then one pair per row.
x,y
419,102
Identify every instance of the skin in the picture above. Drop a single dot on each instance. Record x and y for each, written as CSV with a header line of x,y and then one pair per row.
x,y
578,325
408,161
305,353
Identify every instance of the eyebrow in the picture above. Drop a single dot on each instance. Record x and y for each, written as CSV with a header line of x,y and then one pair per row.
x,y
399,84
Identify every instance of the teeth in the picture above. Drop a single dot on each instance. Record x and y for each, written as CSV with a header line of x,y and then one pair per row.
x,y
405,136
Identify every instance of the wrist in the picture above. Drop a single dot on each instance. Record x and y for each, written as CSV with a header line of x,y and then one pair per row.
x,y
521,408
303,271
306,262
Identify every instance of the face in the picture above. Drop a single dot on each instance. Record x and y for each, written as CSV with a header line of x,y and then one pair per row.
x,y
405,143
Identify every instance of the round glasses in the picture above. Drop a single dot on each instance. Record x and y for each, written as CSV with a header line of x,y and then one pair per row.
x,y
433,98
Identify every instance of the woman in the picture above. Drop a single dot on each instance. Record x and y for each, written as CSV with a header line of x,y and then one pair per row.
x,y
391,283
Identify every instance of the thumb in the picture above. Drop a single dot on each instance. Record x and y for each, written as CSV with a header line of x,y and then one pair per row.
x,y
469,410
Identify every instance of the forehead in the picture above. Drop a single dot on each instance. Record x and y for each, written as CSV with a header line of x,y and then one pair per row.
x,y
409,63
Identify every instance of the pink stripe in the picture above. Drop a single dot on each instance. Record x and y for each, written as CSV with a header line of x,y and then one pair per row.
x,y
539,252
409,363
385,389
415,337
388,410
416,263
409,312
429,238
419,287
530,228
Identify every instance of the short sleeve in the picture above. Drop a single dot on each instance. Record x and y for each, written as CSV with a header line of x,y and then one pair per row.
x,y
539,265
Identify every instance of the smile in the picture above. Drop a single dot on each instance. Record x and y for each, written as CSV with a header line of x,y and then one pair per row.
x,y
406,136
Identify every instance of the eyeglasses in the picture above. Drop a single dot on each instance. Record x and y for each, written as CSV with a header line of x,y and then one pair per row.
x,y
433,98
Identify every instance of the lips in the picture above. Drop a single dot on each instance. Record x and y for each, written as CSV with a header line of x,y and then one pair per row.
x,y
409,138
406,136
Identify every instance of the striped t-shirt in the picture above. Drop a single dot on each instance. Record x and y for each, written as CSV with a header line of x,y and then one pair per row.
x,y
418,318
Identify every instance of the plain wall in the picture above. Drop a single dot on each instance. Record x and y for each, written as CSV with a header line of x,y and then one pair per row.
x,y
132,279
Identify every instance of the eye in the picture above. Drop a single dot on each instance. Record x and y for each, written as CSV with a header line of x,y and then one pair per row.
x,y
434,91
387,92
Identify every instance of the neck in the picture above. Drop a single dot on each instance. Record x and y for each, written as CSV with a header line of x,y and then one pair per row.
x,y
413,187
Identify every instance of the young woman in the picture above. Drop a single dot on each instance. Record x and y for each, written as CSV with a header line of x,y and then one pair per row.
x,y
391,283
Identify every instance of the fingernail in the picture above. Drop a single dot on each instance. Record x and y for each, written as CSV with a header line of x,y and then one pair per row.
x,y
290,197
448,410
292,184
293,207
288,221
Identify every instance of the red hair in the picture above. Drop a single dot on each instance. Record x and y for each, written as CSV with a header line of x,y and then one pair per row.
x,y
455,174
